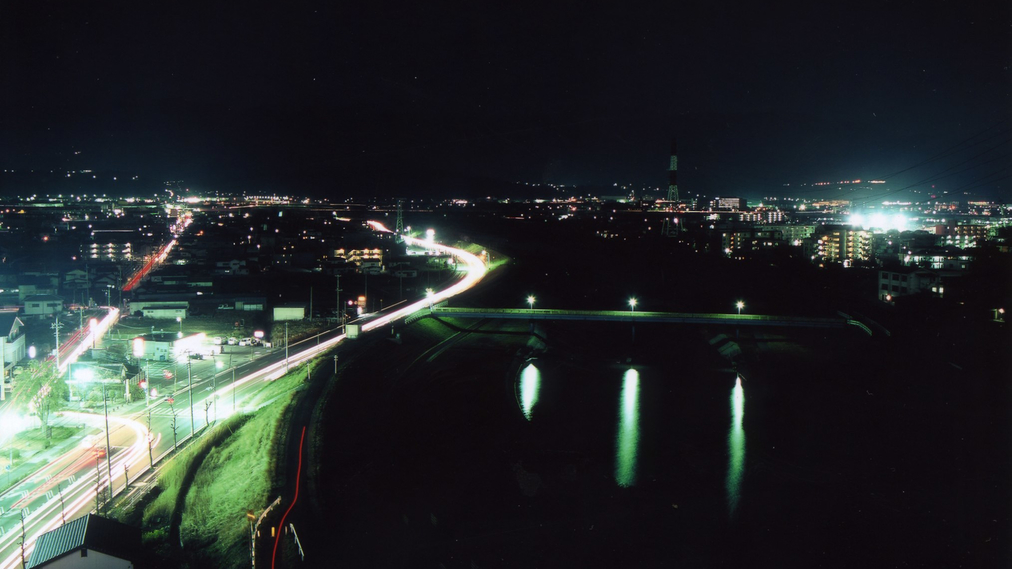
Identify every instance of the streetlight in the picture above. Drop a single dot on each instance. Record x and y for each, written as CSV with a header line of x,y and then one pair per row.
x,y
740,304
530,301
214,386
632,310
180,320
189,390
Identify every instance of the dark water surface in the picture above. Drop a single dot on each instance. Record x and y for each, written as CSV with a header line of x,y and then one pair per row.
x,y
832,450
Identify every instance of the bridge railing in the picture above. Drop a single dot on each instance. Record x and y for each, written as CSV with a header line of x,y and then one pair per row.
x,y
548,313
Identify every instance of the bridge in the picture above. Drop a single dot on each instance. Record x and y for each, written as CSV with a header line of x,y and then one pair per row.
x,y
642,316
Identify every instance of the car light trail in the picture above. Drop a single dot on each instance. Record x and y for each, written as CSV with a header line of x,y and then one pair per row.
x,y
95,332
473,267
156,259
83,502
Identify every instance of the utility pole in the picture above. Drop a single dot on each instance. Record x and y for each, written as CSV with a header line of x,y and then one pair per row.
x,y
151,457
108,445
56,331
340,310
63,510
189,389
98,483
23,538
172,408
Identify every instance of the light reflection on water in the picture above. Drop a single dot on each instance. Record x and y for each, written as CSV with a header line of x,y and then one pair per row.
x,y
628,437
735,447
530,383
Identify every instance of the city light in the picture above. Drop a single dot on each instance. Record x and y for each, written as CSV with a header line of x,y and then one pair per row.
x,y
632,304
739,305
530,301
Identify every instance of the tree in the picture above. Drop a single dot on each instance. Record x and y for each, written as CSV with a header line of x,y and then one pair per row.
x,y
45,392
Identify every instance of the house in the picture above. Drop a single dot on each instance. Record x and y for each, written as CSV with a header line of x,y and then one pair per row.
x,y
75,279
166,310
12,346
32,285
88,541
43,305
167,346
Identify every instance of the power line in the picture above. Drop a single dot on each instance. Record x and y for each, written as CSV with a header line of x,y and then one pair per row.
x,y
938,175
950,150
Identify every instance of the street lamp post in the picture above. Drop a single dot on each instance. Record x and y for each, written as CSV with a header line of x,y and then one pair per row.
x,y
84,376
632,310
739,305
180,320
530,301
108,446
214,387
147,384
189,390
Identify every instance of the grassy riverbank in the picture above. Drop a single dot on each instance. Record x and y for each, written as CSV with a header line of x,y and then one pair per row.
x,y
212,483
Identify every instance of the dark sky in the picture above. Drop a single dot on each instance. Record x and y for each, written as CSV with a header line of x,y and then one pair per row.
x,y
359,98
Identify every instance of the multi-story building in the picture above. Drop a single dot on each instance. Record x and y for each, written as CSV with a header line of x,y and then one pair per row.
x,y
967,235
763,216
843,244
949,258
907,281
12,345
730,204
793,234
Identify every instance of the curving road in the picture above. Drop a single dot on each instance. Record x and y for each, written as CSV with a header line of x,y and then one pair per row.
x,y
65,488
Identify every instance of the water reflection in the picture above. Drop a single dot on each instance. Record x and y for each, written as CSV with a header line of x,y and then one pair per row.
x,y
530,383
628,430
735,447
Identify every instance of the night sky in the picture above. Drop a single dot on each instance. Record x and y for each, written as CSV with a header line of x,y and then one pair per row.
x,y
413,99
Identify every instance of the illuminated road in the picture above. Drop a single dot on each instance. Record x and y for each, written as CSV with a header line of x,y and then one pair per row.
x,y
153,262
74,473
